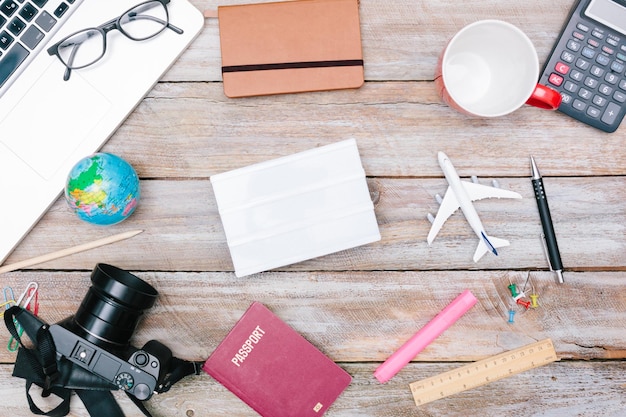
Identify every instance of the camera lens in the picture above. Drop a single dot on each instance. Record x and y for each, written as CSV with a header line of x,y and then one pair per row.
x,y
109,313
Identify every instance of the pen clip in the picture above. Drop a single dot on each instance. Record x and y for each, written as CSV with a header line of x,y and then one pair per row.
x,y
545,250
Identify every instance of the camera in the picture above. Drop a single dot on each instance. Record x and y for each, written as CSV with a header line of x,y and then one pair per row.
x,y
97,337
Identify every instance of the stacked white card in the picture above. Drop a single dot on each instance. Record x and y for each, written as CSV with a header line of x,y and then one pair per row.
x,y
295,208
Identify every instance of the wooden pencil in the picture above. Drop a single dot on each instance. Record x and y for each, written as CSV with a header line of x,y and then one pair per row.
x,y
69,251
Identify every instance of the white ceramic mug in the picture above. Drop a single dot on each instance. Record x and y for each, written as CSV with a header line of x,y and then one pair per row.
x,y
490,68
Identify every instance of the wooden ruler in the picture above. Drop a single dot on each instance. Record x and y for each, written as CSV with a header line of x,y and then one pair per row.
x,y
483,372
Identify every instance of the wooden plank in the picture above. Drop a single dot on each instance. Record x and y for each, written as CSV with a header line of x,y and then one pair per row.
x,y
570,388
183,231
399,127
401,39
195,311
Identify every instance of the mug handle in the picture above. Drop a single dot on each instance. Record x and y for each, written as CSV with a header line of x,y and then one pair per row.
x,y
545,98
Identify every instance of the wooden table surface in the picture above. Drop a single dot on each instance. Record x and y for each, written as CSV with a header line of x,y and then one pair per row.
x,y
358,306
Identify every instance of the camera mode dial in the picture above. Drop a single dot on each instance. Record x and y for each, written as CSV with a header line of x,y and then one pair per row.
x,y
124,381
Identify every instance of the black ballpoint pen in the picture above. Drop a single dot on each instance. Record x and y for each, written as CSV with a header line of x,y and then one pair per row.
x,y
552,248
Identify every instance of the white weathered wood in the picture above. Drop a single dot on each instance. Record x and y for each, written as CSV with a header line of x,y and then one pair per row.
x,y
195,311
359,305
183,230
399,127
559,389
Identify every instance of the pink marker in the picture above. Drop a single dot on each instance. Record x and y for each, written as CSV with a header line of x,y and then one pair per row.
x,y
425,336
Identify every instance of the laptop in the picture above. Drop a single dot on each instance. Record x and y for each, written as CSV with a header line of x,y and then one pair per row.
x,y
47,123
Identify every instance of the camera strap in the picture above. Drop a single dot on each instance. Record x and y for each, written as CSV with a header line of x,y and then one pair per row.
x,y
39,366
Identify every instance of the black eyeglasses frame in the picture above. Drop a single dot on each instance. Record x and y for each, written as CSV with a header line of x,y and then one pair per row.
x,y
105,28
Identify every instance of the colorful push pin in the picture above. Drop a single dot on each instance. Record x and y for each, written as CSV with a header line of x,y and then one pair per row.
x,y
533,300
519,295
513,289
511,316
521,302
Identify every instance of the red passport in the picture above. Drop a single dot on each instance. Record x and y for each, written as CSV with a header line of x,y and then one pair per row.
x,y
274,369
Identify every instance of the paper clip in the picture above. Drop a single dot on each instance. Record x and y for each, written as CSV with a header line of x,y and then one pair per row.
x,y
8,295
29,293
29,296
9,300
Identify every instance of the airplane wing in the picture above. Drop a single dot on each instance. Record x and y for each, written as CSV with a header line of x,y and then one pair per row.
x,y
447,208
479,191
450,204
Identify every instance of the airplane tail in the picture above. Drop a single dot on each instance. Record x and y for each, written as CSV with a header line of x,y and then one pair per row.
x,y
488,244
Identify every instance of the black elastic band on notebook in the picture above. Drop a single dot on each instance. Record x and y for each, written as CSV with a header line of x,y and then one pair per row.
x,y
292,65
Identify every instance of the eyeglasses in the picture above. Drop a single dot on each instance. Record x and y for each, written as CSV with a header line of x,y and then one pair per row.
x,y
86,47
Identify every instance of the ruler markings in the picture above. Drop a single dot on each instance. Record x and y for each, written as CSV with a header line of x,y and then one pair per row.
x,y
482,372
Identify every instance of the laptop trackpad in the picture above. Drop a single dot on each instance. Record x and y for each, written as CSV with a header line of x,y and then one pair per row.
x,y
75,104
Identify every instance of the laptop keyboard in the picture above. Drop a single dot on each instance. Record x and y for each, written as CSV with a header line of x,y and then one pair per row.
x,y
24,25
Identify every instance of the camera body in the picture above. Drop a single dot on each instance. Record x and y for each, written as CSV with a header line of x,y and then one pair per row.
x,y
138,374
97,337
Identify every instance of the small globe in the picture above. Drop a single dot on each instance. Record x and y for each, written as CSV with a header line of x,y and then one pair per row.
x,y
102,189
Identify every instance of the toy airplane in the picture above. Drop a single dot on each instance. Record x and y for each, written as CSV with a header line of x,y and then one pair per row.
x,y
461,194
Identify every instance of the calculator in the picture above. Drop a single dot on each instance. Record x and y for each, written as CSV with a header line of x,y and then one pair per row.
x,y
588,62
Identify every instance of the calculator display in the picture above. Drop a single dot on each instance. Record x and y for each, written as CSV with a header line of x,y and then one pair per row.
x,y
609,13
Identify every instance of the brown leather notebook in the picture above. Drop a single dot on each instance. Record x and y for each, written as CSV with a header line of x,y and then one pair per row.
x,y
290,46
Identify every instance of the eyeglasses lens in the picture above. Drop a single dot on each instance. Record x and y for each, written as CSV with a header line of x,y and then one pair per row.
x,y
82,49
144,21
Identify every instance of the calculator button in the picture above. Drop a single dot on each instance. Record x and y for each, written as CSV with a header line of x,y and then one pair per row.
x,y
568,57
582,64
570,86
588,52
597,33
579,105
612,40
583,27
619,97
555,79
621,56
573,45
566,98
578,35
617,67
605,89
610,114
591,82
603,59
576,75
608,50
599,101
584,93
593,43
611,78
597,71
593,112
561,68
